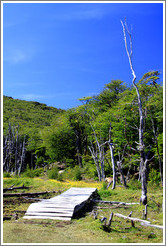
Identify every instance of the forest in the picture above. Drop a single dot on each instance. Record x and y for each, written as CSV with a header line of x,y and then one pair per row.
x,y
98,139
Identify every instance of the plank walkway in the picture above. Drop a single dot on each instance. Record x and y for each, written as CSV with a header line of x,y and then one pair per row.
x,y
61,207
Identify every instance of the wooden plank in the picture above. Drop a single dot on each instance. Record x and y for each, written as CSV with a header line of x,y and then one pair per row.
x,y
62,206
58,206
49,214
50,210
46,217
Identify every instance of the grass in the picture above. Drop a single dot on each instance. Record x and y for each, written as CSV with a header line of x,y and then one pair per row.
x,y
84,229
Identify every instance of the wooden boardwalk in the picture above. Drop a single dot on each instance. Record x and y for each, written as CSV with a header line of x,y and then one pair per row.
x,y
61,207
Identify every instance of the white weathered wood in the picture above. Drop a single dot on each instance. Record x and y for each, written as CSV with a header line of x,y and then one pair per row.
x,y
156,226
130,218
46,217
49,214
49,210
62,206
30,209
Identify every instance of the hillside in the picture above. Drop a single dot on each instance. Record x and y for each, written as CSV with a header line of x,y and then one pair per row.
x,y
29,115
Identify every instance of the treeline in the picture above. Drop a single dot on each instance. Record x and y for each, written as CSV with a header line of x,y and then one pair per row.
x,y
100,136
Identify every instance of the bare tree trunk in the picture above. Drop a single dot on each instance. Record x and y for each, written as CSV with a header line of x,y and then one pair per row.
x,y
141,147
14,151
102,162
78,149
100,153
112,159
119,164
96,161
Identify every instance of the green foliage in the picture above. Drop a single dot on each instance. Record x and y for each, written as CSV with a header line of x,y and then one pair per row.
x,y
53,173
154,177
59,140
77,174
31,173
89,168
104,192
6,175
74,173
134,184
29,115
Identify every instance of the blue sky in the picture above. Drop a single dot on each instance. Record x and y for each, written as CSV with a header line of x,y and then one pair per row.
x,y
56,53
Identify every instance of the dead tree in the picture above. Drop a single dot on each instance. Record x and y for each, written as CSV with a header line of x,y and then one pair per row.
x,y
112,159
141,146
13,151
94,154
98,156
111,146
119,165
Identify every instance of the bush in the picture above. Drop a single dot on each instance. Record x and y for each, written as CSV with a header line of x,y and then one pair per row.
x,y
72,174
154,177
90,171
53,173
6,175
104,192
77,174
134,184
31,173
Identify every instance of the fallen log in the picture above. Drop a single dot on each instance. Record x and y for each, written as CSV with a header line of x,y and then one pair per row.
x,y
29,194
130,218
32,199
114,202
16,188
152,225
113,207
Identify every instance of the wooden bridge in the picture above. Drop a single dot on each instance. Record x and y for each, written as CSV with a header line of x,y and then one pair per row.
x,y
61,207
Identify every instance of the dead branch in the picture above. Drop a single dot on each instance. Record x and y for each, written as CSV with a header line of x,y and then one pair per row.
x,y
7,217
15,188
152,225
114,202
113,207
130,218
28,194
32,199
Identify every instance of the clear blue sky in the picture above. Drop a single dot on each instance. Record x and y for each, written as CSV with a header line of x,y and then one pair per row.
x,y
56,53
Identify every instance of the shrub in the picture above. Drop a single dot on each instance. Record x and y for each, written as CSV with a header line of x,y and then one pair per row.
x,y
104,192
90,171
104,186
31,173
6,175
72,174
53,173
77,174
154,177
134,184
28,173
